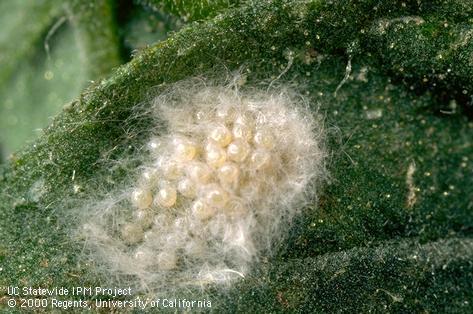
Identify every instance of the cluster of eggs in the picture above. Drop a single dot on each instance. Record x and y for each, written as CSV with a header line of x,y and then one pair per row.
x,y
198,174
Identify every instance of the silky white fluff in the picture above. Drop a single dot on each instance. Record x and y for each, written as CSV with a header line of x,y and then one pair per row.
x,y
177,226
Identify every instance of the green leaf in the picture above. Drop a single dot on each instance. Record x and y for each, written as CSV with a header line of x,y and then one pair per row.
x,y
141,27
190,10
392,230
34,85
46,61
96,30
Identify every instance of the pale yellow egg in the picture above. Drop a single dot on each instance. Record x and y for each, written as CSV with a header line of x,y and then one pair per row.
x,y
141,198
238,150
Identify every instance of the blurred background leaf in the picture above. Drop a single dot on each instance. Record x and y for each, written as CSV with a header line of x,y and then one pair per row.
x,y
48,55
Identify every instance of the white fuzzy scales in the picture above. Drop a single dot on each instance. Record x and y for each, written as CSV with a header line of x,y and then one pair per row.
x,y
217,190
